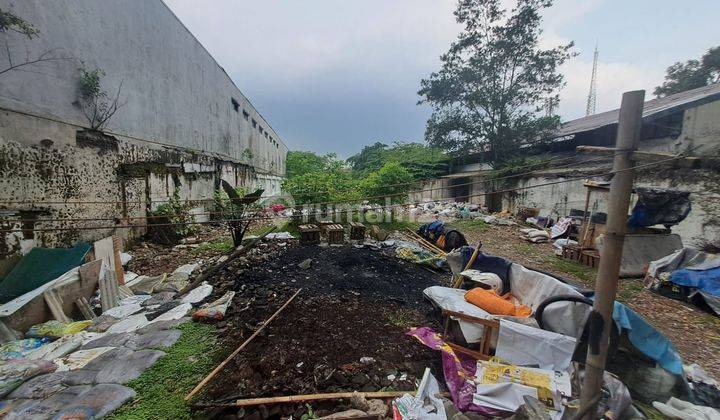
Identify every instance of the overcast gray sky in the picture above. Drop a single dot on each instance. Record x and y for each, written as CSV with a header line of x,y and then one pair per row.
x,y
335,75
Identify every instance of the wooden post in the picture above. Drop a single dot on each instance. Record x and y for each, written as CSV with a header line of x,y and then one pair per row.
x,y
628,135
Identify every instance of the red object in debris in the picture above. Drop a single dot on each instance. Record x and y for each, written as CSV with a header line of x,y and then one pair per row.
x,y
277,207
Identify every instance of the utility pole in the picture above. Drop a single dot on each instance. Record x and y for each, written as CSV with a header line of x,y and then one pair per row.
x,y
628,135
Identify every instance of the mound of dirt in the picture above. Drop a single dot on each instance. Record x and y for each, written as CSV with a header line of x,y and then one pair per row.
x,y
345,331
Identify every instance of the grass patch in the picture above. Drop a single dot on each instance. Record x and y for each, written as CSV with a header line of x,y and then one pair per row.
x,y
584,273
161,389
221,246
528,249
402,318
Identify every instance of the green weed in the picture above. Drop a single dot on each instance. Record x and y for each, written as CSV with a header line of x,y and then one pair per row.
x,y
584,273
221,246
161,389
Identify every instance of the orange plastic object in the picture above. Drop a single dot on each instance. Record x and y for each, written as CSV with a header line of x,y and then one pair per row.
x,y
489,301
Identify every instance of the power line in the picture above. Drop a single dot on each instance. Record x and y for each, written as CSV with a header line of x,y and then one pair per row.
x,y
651,164
214,213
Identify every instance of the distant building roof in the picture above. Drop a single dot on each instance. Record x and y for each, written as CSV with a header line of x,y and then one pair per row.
x,y
655,108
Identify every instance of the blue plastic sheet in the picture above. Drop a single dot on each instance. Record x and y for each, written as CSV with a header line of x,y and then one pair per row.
x,y
647,339
706,280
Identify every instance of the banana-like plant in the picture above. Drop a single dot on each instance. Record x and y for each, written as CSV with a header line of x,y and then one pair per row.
x,y
240,212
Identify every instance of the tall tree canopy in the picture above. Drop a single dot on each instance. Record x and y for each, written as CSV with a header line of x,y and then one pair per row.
x,y
691,74
495,81
301,163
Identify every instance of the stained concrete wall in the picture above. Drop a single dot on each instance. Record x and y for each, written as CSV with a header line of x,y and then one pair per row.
x,y
173,91
178,128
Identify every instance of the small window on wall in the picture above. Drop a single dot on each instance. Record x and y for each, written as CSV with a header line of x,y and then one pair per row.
x,y
254,123
246,115
261,130
235,104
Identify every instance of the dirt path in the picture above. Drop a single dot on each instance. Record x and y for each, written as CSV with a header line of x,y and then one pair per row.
x,y
695,333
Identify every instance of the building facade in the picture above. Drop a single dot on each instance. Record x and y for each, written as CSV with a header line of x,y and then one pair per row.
x,y
687,123
181,127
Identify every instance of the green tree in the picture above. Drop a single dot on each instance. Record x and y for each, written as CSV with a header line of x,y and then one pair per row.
x,y
301,163
384,182
691,74
495,81
421,161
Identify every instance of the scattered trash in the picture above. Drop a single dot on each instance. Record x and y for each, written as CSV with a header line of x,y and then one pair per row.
x,y
305,264
280,236
215,310
198,294
57,329
679,409
14,372
79,359
19,349
424,405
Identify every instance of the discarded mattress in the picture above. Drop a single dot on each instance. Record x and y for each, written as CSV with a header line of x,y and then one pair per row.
x,y
40,266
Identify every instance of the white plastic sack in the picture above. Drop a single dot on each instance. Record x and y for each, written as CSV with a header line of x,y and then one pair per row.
x,y
523,345
58,348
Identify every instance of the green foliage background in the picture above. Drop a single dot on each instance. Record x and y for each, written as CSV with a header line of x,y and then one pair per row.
x,y
376,170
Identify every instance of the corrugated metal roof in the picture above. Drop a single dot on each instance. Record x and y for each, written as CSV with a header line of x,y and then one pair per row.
x,y
652,108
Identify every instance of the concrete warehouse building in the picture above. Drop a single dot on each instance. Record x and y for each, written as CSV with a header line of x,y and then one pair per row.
x,y
182,125
686,123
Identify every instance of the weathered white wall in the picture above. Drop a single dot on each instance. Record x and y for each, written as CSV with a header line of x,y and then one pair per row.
x,y
177,129
174,91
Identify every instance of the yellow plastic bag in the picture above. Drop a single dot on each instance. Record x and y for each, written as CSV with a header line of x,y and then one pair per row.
x,y
57,329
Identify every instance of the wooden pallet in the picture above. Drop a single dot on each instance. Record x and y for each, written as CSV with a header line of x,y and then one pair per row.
x,y
335,234
309,234
588,257
357,231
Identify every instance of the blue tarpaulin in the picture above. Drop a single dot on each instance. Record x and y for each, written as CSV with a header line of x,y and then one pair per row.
x,y
647,339
706,280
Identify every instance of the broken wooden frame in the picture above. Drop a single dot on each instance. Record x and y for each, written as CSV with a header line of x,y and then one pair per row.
x,y
489,328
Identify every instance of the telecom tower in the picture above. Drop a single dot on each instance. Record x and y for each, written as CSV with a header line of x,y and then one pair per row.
x,y
592,96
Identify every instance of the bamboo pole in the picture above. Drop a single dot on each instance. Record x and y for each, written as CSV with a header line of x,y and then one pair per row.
x,y
319,397
471,261
628,135
215,371
427,243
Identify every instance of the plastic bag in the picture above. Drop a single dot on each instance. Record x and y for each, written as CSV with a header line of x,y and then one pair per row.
x,y
57,329
20,348
215,310
14,372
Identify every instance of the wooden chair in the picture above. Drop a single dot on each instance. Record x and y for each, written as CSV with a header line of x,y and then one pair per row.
x,y
489,327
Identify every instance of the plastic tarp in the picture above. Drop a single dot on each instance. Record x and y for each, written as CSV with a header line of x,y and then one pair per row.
x,y
657,206
706,280
523,345
40,266
647,339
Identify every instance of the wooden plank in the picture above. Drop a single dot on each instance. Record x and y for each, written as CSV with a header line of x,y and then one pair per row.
x,y
459,280
117,249
109,294
215,371
53,301
319,397
85,308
